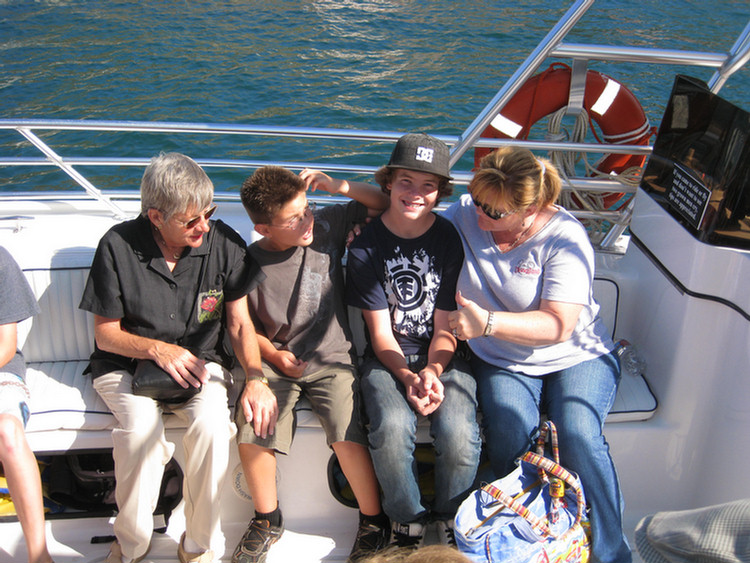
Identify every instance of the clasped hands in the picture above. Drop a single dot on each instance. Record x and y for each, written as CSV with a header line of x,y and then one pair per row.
x,y
424,390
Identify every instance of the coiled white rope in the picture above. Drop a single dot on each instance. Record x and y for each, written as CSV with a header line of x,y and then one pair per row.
x,y
566,162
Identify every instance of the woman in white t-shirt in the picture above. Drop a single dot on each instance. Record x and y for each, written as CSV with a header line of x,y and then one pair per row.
x,y
527,310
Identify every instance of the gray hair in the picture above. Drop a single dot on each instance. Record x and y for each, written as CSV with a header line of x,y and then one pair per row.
x,y
174,183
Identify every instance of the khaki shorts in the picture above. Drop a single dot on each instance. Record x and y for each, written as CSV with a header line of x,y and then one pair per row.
x,y
332,392
14,397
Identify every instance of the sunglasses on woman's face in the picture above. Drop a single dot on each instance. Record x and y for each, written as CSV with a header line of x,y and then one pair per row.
x,y
195,220
490,212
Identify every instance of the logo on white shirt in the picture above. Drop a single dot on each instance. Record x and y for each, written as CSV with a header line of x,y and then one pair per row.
x,y
528,268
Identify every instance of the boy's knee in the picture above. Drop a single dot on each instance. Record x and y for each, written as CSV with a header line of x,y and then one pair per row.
x,y
458,441
393,423
393,433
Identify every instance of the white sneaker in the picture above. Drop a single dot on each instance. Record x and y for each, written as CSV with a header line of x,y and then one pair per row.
x,y
445,532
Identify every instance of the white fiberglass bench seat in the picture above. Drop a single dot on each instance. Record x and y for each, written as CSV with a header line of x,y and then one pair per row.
x,y
68,414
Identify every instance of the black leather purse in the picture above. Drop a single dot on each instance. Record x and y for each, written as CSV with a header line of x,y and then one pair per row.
x,y
149,380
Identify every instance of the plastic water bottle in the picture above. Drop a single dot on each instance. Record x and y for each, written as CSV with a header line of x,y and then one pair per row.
x,y
630,362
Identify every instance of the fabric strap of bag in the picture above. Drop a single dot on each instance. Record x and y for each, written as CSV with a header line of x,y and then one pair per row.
x,y
547,429
518,507
546,465
558,471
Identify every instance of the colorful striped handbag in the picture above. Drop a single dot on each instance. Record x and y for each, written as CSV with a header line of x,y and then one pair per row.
x,y
536,514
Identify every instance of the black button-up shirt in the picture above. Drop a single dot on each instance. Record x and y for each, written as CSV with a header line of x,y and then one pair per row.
x,y
130,280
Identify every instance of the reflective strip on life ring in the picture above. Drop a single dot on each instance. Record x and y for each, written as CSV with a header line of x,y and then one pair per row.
x,y
608,102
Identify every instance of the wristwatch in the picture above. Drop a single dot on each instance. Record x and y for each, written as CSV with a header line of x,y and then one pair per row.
x,y
490,323
262,378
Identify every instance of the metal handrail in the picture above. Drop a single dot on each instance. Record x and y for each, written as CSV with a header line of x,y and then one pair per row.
x,y
200,128
518,78
551,46
72,172
638,55
739,54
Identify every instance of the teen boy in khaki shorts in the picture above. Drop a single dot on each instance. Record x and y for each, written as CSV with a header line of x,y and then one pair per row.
x,y
305,343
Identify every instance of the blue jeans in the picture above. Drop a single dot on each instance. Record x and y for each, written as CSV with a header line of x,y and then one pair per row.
x,y
577,400
393,437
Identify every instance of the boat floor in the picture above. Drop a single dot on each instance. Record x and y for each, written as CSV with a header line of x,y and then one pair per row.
x,y
70,541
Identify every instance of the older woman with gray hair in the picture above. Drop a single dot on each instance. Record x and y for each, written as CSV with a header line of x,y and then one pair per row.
x,y
164,289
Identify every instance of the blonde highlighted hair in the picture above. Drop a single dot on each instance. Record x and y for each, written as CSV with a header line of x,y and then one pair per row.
x,y
515,179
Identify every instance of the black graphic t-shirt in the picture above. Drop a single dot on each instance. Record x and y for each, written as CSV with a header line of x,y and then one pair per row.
x,y
409,277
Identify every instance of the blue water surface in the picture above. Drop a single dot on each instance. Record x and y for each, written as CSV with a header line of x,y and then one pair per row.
x,y
379,64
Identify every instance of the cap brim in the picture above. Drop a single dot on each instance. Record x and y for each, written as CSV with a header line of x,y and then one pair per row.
x,y
648,553
449,178
710,533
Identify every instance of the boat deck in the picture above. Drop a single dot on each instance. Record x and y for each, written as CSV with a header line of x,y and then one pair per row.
x,y
68,415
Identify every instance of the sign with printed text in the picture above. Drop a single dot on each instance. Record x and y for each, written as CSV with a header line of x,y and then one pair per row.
x,y
688,195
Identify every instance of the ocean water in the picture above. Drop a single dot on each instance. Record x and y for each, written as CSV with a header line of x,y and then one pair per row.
x,y
394,65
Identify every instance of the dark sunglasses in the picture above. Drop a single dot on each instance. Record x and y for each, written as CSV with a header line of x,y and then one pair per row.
x,y
491,213
195,220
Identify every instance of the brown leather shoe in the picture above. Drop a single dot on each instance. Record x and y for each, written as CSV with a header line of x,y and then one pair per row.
x,y
187,557
115,554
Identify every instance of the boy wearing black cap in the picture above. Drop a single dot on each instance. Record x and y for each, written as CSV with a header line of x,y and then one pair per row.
x,y
402,272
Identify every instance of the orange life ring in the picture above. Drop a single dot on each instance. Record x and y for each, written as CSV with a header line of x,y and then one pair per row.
x,y
609,103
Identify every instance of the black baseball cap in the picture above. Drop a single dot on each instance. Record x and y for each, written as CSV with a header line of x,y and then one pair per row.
x,y
422,153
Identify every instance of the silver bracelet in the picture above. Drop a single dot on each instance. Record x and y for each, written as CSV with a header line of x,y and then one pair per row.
x,y
490,323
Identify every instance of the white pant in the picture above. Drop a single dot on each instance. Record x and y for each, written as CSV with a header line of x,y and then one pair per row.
x,y
141,451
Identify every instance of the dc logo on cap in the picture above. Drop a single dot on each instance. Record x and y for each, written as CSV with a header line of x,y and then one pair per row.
x,y
425,154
